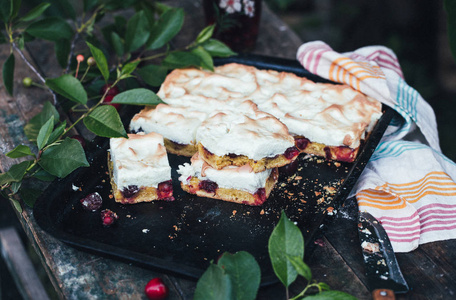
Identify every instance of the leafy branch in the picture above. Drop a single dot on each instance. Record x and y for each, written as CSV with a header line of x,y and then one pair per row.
x,y
238,276
134,44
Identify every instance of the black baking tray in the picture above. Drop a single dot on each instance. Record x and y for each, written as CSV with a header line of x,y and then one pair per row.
x,y
182,237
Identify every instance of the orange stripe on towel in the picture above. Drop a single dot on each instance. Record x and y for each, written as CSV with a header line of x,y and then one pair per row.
x,y
434,183
338,72
379,199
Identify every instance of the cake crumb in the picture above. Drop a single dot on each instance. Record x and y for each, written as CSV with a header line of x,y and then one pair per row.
x,y
337,164
262,212
110,196
298,177
320,200
317,193
234,212
145,230
329,189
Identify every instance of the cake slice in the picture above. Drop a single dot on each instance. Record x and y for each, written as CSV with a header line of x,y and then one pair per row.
x,y
177,125
139,169
249,137
233,184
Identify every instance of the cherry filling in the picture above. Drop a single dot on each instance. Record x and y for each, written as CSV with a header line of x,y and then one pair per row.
x,y
130,191
327,153
302,143
344,153
165,190
208,185
291,152
260,196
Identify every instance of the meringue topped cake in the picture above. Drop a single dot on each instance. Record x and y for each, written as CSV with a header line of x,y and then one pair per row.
x,y
251,137
139,168
328,120
231,183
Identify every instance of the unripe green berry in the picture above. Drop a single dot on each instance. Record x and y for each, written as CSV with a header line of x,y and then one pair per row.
x,y
27,82
91,61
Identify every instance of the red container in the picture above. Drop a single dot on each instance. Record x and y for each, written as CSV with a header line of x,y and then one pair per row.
x,y
237,22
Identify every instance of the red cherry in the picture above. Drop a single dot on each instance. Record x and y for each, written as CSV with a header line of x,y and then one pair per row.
x,y
156,289
112,91
108,217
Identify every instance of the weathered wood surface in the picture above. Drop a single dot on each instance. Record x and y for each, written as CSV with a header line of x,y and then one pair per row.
x,y
336,260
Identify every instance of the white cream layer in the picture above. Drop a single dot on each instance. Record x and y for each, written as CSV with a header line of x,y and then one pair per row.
x,y
231,177
140,160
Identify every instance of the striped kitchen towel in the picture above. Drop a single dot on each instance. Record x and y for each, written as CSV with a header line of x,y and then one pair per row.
x,y
408,184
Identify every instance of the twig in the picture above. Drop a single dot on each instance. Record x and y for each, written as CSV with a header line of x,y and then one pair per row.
x,y
34,70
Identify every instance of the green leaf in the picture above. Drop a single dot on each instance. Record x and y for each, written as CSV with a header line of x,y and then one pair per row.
x,y
29,196
101,60
15,173
331,295
450,8
301,267
69,87
205,57
35,12
15,186
105,121
5,10
45,132
51,28
62,51
244,272
16,5
181,59
138,32
205,34
44,175
217,48
153,75
214,284
286,240
139,96
128,68
323,286
21,42
62,159
8,73
33,127
168,26
20,151
117,44
57,132
17,205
